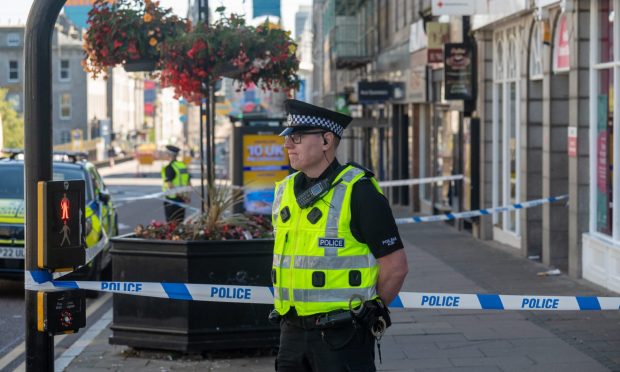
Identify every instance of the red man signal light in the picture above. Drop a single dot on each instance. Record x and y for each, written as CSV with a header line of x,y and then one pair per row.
x,y
64,209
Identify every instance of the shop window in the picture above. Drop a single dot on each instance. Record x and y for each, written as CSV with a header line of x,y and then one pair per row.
x,y
605,30
505,166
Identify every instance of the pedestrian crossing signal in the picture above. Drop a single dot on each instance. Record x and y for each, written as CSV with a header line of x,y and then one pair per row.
x,y
61,221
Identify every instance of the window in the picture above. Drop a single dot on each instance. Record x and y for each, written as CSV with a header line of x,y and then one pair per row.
x,y
65,107
13,40
65,72
13,71
603,206
536,66
65,136
506,121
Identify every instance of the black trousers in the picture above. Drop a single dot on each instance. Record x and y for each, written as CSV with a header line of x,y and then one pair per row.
x,y
174,212
341,349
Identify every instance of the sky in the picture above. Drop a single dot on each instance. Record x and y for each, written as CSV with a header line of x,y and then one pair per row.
x,y
16,11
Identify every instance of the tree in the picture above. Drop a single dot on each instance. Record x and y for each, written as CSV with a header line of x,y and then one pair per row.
x,y
12,124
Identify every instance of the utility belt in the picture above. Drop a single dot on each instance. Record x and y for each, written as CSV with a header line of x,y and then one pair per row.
x,y
333,319
373,315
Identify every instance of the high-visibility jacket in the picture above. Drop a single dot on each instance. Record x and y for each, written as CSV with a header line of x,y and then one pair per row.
x,y
181,177
320,267
93,226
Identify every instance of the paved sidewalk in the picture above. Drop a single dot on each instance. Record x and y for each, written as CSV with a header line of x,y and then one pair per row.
x,y
442,259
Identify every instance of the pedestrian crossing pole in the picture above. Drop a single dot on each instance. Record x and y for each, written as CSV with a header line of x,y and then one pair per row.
x,y
38,159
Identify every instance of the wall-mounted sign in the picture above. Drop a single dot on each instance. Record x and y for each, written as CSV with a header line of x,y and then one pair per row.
x,y
438,35
453,7
572,142
417,36
561,50
374,91
416,79
459,71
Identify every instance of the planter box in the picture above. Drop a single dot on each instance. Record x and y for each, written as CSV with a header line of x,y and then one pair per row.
x,y
191,326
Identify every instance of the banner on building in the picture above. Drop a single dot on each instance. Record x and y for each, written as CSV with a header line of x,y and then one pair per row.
x,y
561,50
459,65
438,35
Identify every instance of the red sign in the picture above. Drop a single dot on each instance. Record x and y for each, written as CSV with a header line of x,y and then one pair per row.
x,y
572,142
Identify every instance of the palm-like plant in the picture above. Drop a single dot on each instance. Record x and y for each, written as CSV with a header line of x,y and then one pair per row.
x,y
217,223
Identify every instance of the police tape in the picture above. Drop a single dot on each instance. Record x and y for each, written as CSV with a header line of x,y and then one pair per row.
x,y
405,300
418,181
122,201
407,182
480,212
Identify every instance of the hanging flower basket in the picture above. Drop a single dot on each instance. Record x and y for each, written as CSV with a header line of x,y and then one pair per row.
x,y
263,56
128,32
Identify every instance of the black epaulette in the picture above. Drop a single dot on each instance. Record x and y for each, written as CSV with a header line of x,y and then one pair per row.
x,y
368,172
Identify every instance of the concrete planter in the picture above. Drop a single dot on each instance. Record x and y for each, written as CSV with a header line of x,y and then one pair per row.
x,y
191,326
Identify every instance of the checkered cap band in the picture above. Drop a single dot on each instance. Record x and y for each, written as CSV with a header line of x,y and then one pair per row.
x,y
315,121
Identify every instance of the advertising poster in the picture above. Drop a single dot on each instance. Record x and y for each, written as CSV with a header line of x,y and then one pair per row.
x,y
459,71
602,218
264,163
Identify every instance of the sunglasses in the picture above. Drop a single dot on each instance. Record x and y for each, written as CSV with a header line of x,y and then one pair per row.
x,y
296,137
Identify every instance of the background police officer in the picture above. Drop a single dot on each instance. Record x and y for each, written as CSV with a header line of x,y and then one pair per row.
x,y
175,174
337,249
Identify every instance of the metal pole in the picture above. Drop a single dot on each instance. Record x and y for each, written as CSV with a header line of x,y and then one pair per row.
x,y
203,113
210,129
212,100
38,158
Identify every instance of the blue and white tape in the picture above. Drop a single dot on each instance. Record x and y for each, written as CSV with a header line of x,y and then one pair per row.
x,y
264,295
480,212
419,181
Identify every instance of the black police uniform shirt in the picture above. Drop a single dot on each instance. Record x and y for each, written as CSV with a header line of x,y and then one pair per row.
x,y
372,221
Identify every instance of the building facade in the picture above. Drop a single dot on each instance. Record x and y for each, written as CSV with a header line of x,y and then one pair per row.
x,y
538,121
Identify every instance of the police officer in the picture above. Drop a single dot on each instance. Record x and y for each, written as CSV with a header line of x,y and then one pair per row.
x,y
174,174
338,257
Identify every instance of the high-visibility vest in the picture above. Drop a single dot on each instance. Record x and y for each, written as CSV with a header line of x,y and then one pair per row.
x,y
181,177
320,267
93,232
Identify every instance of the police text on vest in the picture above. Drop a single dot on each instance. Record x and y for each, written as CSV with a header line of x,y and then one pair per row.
x,y
331,243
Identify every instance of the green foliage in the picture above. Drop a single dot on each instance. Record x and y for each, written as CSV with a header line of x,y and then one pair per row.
x,y
12,124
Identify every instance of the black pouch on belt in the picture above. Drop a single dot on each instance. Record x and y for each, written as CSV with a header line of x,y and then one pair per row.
x,y
372,311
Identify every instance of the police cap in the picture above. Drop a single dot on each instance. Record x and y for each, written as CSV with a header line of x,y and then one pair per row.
x,y
172,149
303,116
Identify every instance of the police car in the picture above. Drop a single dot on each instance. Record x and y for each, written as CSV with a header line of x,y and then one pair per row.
x,y
101,218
